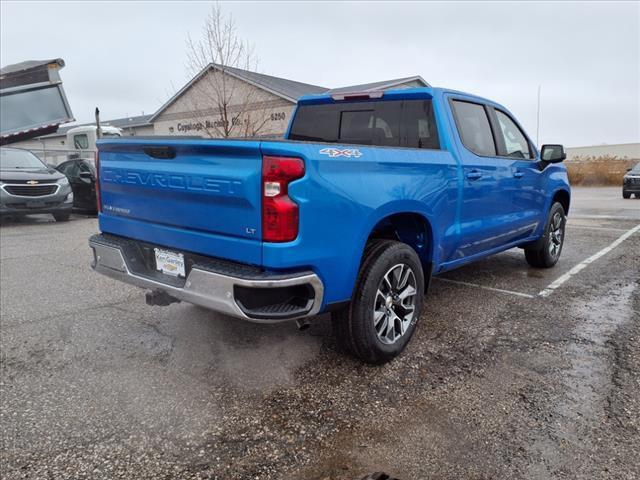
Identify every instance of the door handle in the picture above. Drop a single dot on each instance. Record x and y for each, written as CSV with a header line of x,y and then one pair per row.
x,y
518,174
474,175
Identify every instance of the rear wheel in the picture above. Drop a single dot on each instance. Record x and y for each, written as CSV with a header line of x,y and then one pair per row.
x,y
386,304
546,252
61,217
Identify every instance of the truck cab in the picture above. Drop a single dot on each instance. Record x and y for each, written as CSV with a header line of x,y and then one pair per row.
x,y
84,138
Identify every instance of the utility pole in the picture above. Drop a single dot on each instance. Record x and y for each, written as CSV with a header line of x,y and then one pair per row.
x,y
538,119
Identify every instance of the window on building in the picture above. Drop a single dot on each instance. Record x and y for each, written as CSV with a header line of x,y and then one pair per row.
x,y
474,128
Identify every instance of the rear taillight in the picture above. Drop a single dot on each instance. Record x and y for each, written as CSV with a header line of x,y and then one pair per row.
x,y
98,199
280,214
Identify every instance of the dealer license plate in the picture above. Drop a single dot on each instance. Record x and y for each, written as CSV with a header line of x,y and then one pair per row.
x,y
170,263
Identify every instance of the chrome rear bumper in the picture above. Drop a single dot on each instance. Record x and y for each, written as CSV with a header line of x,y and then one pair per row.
x,y
206,287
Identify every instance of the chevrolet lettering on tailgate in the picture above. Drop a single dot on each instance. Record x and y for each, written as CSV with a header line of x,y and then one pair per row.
x,y
172,180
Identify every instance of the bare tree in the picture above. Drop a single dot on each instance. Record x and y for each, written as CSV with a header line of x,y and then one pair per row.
x,y
222,105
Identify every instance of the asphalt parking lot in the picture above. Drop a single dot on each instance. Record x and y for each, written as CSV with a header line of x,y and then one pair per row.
x,y
513,372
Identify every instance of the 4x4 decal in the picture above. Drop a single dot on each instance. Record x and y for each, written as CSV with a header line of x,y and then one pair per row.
x,y
341,152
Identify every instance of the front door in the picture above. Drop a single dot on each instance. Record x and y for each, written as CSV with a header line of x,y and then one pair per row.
x,y
526,191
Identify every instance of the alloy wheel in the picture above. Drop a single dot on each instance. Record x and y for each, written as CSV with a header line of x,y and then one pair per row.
x,y
556,234
395,303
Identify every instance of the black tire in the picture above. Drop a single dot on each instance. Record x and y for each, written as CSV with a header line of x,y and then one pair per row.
x,y
356,327
626,195
546,252
61,217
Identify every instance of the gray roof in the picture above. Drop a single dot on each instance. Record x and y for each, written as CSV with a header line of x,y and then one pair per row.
x,y
29,64
287,89
138,121
386,84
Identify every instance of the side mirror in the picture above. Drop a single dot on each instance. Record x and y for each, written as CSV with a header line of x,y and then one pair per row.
x,y
629,169
552,153
86,176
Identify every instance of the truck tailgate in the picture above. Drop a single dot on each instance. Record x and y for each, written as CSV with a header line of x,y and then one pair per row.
x,y
189,194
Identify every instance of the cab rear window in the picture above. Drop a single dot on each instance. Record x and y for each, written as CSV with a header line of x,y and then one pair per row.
x,y
396,123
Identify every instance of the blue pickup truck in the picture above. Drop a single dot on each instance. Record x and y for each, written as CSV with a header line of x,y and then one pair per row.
x,y
367,197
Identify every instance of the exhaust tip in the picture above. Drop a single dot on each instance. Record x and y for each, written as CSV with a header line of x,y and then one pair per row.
x,y
303,324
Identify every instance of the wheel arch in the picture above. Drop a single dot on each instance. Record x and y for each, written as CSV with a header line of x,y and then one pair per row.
x,y
410,226
564,198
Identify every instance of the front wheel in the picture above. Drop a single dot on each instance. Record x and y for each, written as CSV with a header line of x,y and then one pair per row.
x,y
627,195
386,304
546,252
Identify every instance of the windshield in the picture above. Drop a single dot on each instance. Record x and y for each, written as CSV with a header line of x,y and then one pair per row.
x,y
13,158
636,169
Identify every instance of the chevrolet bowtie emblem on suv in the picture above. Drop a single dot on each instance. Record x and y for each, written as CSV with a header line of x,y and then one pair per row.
x,y
32,182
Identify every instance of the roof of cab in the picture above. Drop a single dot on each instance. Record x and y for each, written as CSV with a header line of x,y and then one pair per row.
x,y
404,93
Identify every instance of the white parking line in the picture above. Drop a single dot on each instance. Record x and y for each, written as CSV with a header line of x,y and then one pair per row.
x,y
602,217
510,292
606,229
563,278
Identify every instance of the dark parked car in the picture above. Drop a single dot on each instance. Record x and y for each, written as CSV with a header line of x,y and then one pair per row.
x,y
631,182
81,173
29,186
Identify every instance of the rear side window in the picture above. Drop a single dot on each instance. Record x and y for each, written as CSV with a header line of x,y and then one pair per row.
x,y
401,123
474,128
515,143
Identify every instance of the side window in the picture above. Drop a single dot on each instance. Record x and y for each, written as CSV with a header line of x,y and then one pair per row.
x,y
473,126
83,167
515,142
64,167
419,124
81,141
71,170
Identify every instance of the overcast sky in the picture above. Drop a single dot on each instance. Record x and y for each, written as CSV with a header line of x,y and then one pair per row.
x,y
128,57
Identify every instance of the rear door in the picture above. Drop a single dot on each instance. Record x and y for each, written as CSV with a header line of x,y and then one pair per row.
x,y
71,171
85,187
195,195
